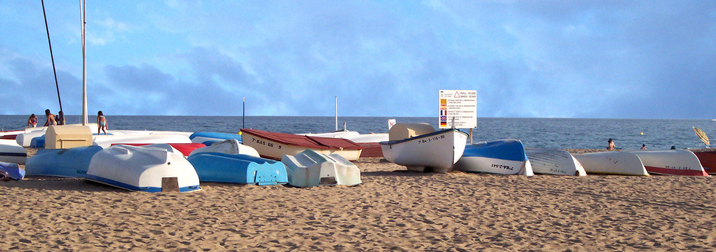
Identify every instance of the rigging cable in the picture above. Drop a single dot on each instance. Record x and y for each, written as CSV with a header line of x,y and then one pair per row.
x,y
51,57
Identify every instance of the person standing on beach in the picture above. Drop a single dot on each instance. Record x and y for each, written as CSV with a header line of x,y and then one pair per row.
x,y
60,118
50,118
101,123
32,121
611,144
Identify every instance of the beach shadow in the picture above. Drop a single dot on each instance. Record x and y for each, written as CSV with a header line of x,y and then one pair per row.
x,y
60,184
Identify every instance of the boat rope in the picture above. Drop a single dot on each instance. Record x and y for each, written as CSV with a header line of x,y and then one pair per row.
x,y
51,56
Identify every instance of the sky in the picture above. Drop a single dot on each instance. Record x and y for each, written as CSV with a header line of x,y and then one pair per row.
x,y
543,59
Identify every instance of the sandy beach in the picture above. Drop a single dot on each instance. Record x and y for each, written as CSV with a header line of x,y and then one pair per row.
x,y
392,210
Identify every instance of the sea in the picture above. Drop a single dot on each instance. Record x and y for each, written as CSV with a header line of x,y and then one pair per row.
x,y
563,133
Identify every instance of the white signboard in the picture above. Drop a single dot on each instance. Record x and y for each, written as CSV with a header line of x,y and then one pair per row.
x,y
460,105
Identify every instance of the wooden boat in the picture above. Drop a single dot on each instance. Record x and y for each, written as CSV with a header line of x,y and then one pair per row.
x,y
209,138
310,168
11,152
138,168
499,157
437,151
671,162
107,140
612,162
229,146
238,168
707,160
72,163
12,171
370,142
554,162
274,145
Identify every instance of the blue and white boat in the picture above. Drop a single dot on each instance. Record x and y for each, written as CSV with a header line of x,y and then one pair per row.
x,y
71,163
139,168
238,168
11,170
499,157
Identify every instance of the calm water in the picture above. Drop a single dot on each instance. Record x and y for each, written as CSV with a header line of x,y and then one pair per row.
x,y
534,132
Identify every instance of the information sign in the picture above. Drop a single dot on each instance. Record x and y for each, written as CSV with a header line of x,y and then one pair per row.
x,y
460,106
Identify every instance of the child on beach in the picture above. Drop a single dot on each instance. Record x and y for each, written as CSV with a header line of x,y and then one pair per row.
x,y
32,121
50,118
101,123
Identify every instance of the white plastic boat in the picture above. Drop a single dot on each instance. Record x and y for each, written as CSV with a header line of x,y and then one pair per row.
x,y
437,151
310,168
505,157
107,140
138,168
554,162
11,152
612,162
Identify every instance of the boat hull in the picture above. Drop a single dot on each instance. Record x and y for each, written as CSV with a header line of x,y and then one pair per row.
x,y
274,149
437,151
708,160
671,162
71,163
147,169
554,162
505,157
238,168
12,170
11,152
612,162
229,146
310,168
208,138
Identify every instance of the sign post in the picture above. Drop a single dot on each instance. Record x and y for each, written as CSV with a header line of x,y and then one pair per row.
x,y
458,109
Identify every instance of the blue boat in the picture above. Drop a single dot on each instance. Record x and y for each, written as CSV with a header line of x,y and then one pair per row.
x,y
11,170
71,163
500,157
38,142
238,168
208,138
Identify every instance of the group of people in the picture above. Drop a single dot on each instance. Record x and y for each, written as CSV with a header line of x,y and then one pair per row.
x,y
611,145
59,119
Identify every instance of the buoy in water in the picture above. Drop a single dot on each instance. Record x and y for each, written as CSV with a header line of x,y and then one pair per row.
x,y
641,133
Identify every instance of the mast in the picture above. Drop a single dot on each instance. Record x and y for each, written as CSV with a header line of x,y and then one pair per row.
x,y
336,104
84,62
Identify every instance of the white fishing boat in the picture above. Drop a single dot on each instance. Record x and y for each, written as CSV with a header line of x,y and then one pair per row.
x,y
229,146
108,140
437,151
138,168
310,168
554,162
670,162
505,157
612,162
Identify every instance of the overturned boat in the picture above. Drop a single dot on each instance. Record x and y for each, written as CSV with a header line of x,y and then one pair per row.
x,y
671,162
554,162
310,168
274,145
229,146
499,157
612,162
71,163
11,170
147,169
238,168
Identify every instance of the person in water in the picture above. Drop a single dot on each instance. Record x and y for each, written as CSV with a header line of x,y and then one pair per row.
x,y
32,121
643,146
101,123
60,118
50,118
611,144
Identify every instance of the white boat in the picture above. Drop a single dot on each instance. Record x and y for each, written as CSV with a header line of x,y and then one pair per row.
x,y
505,157
437,151
274,145
138,168
229,146
554,162
612,162
108,140
670,162
310,168
70,163
11,152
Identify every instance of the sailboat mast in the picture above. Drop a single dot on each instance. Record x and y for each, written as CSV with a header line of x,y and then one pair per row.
x,y
84,64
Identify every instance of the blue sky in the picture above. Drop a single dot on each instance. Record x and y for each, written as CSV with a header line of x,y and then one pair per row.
x,y
583,59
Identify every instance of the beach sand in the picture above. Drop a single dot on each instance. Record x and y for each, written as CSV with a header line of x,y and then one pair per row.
x,y
392,210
